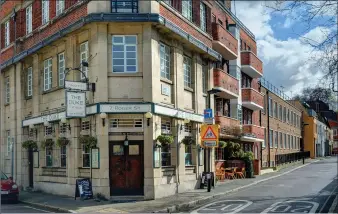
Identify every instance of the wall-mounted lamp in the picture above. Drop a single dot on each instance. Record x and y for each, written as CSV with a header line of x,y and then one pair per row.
x,y
103,116
186,121
148,115
46,123
126,142
31,126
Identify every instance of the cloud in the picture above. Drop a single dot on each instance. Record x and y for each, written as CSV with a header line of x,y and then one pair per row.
x,y
287,62
288,23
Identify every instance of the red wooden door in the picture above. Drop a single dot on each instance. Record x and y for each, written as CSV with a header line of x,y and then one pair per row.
x,y
126,168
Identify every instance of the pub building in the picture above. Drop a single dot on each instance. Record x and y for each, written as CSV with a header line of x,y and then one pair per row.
x,y
152,69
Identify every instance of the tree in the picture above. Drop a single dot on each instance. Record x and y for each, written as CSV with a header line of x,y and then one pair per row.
x,y
312,94
322,14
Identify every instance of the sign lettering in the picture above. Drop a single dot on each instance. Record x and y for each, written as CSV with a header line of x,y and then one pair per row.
x,y
76,104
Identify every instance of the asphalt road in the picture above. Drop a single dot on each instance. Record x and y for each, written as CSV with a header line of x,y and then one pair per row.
x,y
311,189
20,208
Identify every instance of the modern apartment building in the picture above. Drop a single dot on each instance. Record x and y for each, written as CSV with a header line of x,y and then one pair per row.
x,y
282,122
149,64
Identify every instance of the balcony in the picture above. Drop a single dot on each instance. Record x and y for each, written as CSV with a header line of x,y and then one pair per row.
x,y
229,126
252,99
224,42
253,131
251,65
228,84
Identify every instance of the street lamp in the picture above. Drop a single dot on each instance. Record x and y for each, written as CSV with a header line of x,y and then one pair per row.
x,y
208,167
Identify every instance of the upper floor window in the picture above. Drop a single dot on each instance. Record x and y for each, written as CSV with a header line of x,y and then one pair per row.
x,y
270,106
124,6
125,53
165,126
247,116
222,107
29,25
205,78
187,71
280,112
7,35
284,141
203,16
275,109
45,12
7,90
169,2
61,68
187,9
47,74
29,81
246,81
165,61
271,139
281,139
84,58
60,6
284,114
288,116
276,139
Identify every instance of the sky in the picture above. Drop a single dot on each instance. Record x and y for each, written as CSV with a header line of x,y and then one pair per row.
x,y
281,47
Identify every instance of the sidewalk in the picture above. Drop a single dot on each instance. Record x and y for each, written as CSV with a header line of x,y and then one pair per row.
x,y
174,203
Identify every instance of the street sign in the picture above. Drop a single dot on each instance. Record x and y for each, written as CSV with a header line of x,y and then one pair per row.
x,y
208,116
207,113
81,86
209,135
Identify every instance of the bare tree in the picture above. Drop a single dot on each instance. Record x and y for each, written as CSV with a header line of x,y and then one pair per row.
x,y
312,14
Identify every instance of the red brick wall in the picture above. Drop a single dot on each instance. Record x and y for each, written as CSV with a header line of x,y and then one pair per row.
x,y
53,28
2,35
247,58
184,25
258,131
255,118
21,23
52,9
247,39
37,16
196,12
221,34
224,80
226,121
7,8
252,95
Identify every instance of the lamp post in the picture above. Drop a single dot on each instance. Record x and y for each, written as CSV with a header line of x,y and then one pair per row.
x,y
208,168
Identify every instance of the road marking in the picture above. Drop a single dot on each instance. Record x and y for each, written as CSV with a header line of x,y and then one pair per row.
x,y
33,208
226,208
288,204
327,199
334,204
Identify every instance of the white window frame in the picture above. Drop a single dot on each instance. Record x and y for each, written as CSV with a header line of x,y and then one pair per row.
x,y
125,53
7,34
263,143
61,68
187,71
7,90
281,140
187,9
29,19
204,78
84,153
30,81
60,7
271,138
84,51
47,74
165,61
45,12
285,139
203,21
275,110
165,126
270,107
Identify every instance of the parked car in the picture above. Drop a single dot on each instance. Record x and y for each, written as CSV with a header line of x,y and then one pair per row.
x,y
9,189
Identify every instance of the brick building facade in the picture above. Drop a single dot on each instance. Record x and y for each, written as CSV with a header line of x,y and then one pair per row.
x,y
152,62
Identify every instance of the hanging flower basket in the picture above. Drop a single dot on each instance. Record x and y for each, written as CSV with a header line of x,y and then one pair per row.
x,y
30,144
165,139
88,141
157,144
221,144
47,143
188,141
62,141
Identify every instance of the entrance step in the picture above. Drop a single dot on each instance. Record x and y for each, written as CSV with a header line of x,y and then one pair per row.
x,y
126,199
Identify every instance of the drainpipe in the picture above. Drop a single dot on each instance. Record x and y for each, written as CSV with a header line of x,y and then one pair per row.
x,y
268,127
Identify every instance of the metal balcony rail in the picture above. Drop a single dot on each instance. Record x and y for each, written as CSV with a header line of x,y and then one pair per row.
x,y
291,157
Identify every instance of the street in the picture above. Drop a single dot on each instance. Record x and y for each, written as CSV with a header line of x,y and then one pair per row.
x,y
310,189
20,208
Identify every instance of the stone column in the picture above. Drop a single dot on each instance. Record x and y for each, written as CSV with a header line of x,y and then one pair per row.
x,y
18,118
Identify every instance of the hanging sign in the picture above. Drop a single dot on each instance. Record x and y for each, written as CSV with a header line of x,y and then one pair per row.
x,y
82,86
75,104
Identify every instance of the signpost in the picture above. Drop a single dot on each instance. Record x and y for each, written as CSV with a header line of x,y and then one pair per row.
x,y
209,139
208,116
